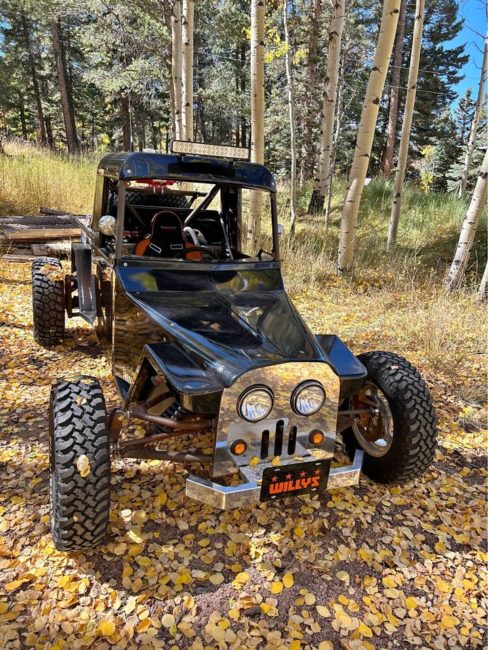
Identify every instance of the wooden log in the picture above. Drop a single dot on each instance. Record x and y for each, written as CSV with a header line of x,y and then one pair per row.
x,y
52,249
28,233
14,257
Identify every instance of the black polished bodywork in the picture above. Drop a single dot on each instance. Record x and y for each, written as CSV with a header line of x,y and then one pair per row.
x,y
141,165
207,325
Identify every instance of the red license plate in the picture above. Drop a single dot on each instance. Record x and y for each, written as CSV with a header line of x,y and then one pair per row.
x,y
293,480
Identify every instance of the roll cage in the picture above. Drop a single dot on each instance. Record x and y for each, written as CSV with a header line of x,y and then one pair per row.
x,y
189,185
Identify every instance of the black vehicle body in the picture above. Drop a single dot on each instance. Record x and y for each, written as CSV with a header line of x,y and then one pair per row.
x,y
209,352
199,326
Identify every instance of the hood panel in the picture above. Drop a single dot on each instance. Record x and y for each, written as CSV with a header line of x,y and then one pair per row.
x,y
229,321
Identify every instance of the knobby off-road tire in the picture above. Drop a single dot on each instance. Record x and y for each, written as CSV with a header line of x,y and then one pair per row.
x,y
47,301
414,420
79,441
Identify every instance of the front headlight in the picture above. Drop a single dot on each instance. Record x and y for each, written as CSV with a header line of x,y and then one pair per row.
x,y
255,403
308,398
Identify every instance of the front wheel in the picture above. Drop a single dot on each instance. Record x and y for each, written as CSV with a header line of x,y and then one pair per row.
x,y
399,434
79,464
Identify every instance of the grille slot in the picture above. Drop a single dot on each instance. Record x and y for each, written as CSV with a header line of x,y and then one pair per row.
x,y
264,444
292,441
278,446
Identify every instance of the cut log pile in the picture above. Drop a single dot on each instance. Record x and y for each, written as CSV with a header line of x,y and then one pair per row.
x,y
50,233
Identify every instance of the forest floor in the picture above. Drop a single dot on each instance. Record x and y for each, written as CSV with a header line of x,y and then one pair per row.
x,y
358,568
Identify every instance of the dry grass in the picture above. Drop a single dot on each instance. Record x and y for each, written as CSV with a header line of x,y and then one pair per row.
x,y
31,178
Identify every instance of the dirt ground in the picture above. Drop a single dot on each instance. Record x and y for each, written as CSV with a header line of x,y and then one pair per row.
x,y
365,567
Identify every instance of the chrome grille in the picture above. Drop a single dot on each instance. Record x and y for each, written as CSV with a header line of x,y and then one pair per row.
x,y
284,433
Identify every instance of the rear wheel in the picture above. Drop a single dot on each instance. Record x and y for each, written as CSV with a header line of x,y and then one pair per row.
x,y
79,464
47,301
399,436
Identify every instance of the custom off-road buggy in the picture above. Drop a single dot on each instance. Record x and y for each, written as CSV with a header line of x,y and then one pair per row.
x,y
205,342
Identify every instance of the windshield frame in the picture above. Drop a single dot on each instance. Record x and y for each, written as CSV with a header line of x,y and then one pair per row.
x,y
121,212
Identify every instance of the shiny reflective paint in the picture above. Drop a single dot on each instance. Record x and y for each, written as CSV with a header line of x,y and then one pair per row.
x,y
229,318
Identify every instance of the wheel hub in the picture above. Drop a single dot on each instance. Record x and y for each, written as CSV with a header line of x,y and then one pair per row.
x,y
373,430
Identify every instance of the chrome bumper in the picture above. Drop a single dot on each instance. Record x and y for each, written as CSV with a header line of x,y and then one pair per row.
x,y
227,497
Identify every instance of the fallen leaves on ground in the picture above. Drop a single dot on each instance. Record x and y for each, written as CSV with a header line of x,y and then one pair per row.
x,y
364,568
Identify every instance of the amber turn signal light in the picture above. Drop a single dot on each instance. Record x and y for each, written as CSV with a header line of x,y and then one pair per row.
x,y
316,437
238,447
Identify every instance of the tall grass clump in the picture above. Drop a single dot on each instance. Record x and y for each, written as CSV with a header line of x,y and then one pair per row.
x,y
31,178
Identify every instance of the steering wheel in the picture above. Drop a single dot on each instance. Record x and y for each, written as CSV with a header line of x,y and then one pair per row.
x,y
201,249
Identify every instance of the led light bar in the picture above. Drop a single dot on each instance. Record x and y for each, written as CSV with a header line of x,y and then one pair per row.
x,y
217,150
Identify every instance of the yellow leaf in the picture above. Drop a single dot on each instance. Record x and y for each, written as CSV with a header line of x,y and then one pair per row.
x,y
443,585
364,630
63,581
440,547
388,581
106,628
411,602
288,580
276,461
130,605
310,599
265,608
448,621
343,600
168,620
276,587
343,575
326,645
3,607
240,580
323,611
83,465
254,461
299,531
295,645
216,579
233,613
120,548
143,625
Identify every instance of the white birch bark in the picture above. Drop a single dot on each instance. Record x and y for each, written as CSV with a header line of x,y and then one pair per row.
x,y
483,290
468,230
480,100
257,114
364,141
187,35
176,56
291,114
324,171
413,73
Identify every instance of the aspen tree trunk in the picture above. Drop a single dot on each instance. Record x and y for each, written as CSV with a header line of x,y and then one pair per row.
x,y
307,158
407,124
291,112
483,290
324,171
257,113
364,141
176,55
187,30
468,230
64,88
244,142
475,123
391,130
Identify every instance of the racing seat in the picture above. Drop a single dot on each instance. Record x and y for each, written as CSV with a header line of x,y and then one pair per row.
x,y
166,239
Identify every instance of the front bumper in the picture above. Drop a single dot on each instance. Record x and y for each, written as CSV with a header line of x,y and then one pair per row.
x,y
246,493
